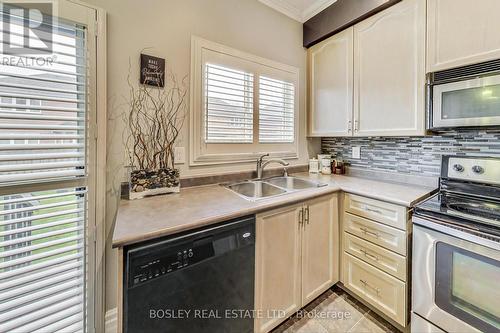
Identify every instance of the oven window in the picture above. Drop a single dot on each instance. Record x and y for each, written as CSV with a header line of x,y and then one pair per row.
x,y
467,286
478,102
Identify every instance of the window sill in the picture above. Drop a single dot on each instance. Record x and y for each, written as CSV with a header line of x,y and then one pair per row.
x,y
217,159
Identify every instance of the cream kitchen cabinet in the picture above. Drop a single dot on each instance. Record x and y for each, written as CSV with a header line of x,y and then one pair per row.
x,y
386,293
389,72
369,80
331,86
297,258
375,261
462,32
320,247
278,266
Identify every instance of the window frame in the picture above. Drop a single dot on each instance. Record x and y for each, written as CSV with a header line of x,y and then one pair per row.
x,y
202,153
94,19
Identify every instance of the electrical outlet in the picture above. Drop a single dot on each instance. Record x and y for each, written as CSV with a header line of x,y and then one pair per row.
x,y
180,155
356,152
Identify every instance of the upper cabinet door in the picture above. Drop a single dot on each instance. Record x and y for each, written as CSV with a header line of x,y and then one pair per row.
x,y
462,32
389,72
330,86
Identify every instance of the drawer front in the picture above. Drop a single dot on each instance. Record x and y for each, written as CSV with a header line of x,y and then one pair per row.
x,y
375,255
377,233
380,211
383,291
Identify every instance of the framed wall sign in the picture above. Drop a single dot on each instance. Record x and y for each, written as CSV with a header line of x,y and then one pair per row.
x,y
152,71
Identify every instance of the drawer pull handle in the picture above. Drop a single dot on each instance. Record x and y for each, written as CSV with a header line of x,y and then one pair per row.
x,y
368,209
366,284
307,214
369,255
368,232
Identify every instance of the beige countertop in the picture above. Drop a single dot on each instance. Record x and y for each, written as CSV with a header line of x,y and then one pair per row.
x,y
194,207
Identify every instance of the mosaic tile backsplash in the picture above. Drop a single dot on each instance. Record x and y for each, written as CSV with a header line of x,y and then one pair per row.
x,y
413,155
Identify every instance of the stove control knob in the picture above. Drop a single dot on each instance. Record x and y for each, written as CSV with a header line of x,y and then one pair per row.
x,y
458,168
477,169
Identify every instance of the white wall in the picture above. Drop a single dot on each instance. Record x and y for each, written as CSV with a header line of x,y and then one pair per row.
x,y
166,27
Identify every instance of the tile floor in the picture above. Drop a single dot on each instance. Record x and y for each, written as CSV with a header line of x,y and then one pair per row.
x,y
335,312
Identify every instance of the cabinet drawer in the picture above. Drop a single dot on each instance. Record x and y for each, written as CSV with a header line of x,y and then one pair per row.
x,y
383,212
379,257
380,234
383,291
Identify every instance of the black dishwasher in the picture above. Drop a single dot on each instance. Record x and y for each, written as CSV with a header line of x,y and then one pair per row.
x,y
202,281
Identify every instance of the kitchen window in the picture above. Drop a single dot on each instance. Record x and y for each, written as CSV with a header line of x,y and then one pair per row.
x,y
228,105
49,176
241,106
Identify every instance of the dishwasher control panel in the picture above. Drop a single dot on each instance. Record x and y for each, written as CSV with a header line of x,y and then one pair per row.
x,y
152,262
145,270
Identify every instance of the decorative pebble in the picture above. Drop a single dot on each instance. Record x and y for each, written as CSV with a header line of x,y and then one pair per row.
x,y
143,180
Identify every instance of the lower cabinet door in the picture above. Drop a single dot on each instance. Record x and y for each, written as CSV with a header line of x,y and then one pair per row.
x,y
383,291
277,269
320,247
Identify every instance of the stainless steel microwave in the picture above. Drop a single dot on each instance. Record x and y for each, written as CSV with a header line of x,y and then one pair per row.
x,y
467,96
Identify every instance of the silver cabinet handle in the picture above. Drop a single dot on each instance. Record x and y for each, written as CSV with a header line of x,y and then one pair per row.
x,y
356,125
368,209
307,214
349,126
369,255
301,216
366,284
368,232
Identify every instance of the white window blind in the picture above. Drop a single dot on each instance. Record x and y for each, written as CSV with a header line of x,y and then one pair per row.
x,y
228,105
276,110
242,106
42,278
44,138
42,110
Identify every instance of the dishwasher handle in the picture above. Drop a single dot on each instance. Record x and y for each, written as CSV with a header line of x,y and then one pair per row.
x,y
202,241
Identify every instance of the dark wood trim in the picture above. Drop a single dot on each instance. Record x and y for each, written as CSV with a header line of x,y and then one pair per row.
x,y
339,16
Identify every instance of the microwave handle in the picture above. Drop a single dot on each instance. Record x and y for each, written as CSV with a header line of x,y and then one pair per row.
x,y
428,100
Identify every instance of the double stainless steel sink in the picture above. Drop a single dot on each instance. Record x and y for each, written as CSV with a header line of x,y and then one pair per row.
x,y
266,188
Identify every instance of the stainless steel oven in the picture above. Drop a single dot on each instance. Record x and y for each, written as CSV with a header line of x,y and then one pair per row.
x,y
456,278
465,97
456,250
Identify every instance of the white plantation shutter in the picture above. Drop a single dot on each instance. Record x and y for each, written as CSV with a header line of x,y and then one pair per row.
x,y
242,106
42,278
228,105
44,143
42,110
276,110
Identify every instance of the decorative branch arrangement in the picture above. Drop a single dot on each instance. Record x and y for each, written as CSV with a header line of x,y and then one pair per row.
x,y
154,123
154,120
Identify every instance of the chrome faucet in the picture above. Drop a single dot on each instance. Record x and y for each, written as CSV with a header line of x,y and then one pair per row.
x,y
261,164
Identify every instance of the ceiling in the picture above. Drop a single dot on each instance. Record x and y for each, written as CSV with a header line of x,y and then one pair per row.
x,y
299,10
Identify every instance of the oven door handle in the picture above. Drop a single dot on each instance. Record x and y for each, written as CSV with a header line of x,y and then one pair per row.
x,y
456,236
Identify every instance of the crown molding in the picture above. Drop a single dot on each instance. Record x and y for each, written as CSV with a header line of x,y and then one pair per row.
x,y
316,8
284,8
298,14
